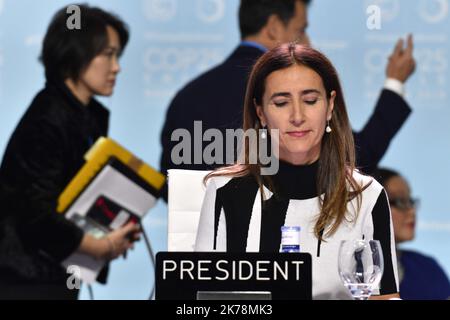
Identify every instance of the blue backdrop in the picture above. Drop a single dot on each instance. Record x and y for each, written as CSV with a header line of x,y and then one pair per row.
x,y
175,40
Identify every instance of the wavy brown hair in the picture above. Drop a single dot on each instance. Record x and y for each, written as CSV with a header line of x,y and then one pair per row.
x,y
337,157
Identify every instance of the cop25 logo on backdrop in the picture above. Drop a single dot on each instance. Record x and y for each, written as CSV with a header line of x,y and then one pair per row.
x,y
210,11
389,9
207,11
430,11
160,10
433,11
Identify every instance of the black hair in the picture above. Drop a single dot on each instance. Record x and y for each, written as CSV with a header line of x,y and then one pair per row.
x,y
67,52
382,175
253,14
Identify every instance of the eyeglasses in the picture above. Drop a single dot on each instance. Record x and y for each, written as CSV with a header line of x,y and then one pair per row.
x,y
404,203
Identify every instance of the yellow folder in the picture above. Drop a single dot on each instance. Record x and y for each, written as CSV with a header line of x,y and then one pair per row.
x,y
96,158
111,188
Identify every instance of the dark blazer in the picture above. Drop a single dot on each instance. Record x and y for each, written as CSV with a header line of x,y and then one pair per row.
x,y
217,96
372,142
44,152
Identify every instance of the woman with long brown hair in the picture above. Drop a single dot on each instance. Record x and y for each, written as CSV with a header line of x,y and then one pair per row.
x,y
296,90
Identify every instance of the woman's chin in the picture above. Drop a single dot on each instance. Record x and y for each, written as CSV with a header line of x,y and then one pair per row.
x,y
105,93
299,153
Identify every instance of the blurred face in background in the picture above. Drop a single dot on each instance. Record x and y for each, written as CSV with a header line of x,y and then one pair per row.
x,y
292,31
295,30
100,76
403,208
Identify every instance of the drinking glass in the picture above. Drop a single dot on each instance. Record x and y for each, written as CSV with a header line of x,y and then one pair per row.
x,y
360,266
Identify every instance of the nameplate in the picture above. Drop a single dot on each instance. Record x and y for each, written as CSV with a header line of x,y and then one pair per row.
x,y
181,275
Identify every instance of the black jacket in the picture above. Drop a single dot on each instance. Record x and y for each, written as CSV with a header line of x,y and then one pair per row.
x,y
217,97
43,154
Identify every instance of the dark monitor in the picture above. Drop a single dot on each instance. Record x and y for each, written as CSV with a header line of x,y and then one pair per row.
x,y
233,276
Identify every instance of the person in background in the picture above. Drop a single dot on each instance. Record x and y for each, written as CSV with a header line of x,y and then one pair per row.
x,y
421,277
216,97
46,150
296,90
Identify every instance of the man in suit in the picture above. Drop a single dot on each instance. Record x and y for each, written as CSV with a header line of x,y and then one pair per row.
x,y
216,97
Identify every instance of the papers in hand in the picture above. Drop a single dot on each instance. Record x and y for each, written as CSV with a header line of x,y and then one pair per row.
x,y
109,193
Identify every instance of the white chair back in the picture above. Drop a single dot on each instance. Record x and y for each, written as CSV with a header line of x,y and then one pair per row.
x,y
186,192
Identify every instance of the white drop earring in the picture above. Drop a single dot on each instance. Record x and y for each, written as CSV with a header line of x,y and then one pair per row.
x,y
328,128
264,133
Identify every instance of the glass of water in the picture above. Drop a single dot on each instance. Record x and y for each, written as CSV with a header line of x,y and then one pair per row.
x,y
360,266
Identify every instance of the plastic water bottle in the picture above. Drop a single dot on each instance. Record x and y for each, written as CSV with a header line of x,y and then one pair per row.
x,y
290,239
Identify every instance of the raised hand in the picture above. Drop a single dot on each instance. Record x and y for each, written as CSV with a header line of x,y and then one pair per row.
x,y
401,63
